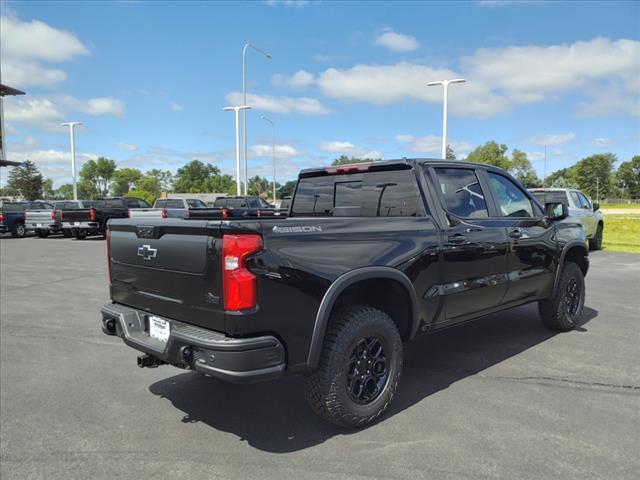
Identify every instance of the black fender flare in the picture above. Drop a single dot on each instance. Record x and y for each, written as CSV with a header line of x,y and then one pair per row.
x,y
568,246
339,285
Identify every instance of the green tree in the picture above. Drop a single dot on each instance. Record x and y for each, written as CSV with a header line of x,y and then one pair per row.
x,y
163,177
287,189
593,174
192,178
345,160
450,154
87,190
221,184
98,172
259,186
491,153
64,192
628,176
520,167
25,181
125,179
47,189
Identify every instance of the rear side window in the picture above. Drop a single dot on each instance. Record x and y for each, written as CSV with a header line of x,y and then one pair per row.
x,y
552,196
12,207
510,199
463,195
391,193
220,202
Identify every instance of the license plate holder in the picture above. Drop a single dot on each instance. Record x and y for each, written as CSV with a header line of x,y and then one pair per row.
x,y
159,329
77,224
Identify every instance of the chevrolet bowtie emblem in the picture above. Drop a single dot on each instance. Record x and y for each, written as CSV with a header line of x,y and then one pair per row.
x,y
146,252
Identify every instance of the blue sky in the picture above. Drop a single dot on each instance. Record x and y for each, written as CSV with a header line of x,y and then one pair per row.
x,y
149,80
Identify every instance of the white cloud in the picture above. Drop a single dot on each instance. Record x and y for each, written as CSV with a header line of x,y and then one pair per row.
x,y
601,142
349,149
127,146
52,164
396,42
176,107
552,139
270,103
432,144
25,45
604,74
282,151
300,79
47,113
324,58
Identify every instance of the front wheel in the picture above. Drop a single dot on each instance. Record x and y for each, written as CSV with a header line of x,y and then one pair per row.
x,y
359,367
563,310
596,242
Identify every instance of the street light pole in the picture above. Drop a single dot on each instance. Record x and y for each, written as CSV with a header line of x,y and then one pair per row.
x,y
273,153
244,102
71,126
237,108
445,84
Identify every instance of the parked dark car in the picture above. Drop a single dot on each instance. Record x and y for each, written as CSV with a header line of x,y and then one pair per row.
x,y
370,256
84,222
246,205
12,216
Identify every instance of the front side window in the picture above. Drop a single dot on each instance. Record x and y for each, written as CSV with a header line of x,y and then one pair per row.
x,y
510,199
463,195
584,201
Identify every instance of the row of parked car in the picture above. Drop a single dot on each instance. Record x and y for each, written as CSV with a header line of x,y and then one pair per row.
x,y
83,218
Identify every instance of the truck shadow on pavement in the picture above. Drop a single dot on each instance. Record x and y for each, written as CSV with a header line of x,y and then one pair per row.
x,y
274,416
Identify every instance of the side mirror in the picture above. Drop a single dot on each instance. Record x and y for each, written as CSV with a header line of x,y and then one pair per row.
x,y
556,210
596,206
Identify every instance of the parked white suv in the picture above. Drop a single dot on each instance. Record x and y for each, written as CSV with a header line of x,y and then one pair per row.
x,y
580,209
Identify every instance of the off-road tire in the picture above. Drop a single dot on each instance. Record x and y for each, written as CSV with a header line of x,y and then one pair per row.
x,y
596,242
555,312
18,230
326,387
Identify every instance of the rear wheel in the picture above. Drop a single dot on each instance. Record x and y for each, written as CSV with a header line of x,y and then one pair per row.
x,y
359,367
42,233
596,242
563,310
80,234
18,230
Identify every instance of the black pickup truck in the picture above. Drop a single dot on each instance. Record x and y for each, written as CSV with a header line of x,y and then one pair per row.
x,y
92,221
370,256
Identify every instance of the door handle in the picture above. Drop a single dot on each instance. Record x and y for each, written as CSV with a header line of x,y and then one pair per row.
x,y
515,233
457,238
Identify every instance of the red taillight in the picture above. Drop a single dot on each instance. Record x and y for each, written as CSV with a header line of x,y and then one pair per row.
x,y
225,213
53,215
1,217
163,214
239,284
92,214
109,254
61,215
188,213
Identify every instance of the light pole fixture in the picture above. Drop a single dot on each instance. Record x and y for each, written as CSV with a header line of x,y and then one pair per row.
x,y
244,102
273,153
71,126
445,84
237,108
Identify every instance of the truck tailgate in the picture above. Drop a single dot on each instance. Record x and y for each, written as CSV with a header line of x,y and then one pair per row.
x,y
76,215
169,268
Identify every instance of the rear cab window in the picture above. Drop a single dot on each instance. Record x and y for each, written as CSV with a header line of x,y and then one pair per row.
x,y
550,196
196,203
388,193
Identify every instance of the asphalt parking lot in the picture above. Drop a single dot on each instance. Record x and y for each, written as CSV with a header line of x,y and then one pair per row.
x,y
498,398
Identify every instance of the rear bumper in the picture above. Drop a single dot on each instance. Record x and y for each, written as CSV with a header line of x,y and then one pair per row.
x,y
43,226
237,360
4,228
81,225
